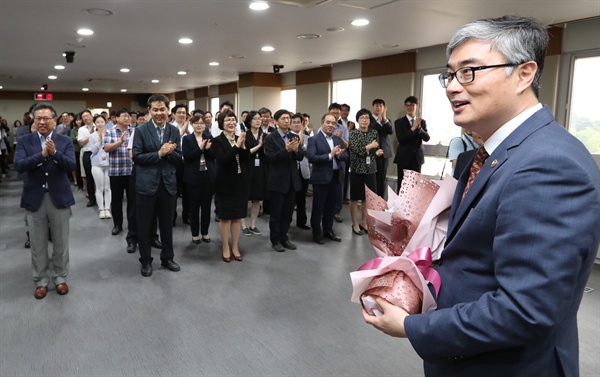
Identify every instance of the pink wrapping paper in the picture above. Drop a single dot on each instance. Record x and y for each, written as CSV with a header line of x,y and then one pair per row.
x,y
407,232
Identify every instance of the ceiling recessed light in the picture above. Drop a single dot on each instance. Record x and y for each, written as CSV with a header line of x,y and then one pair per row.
x,y
268,48
123,90
335,29
182,73
98,12
236,57
85,89
308,36
124,70
185,41
155,81
360,22
59,67
1,87
259,5
52,77
213,63
85,32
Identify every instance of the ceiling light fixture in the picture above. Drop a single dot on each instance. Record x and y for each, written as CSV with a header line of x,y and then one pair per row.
x,y
268,48
185,41
360,22
98,12
85,32
52,77
124,70
308,36
123,90
59,67
259,5
214,64
182,73
155,81
85,89
236,57
334,29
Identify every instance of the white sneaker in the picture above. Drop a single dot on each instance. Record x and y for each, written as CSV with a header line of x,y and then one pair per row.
x,y
107,214
102,214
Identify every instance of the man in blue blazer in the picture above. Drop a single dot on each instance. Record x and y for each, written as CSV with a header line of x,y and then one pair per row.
x,y
283,151
522,241
46,159
328,157
156,153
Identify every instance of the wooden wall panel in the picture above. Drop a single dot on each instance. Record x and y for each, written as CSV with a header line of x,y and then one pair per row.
x,y
313,76
390,65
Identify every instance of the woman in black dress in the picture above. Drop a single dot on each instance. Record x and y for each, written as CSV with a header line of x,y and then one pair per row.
x,y
199,176
256,167
232,165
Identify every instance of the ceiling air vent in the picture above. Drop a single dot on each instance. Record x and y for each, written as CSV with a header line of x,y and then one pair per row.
x,y
302,3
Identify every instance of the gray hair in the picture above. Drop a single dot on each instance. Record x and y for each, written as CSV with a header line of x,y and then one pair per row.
x,y
519,39
44,106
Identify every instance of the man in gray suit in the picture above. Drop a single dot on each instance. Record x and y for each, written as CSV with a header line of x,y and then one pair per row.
x,y
156,153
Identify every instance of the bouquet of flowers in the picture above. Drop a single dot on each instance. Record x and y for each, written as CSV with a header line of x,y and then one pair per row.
x,y
407,233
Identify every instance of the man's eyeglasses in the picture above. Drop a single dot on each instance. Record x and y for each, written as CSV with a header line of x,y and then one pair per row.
x,y
43,119
466,75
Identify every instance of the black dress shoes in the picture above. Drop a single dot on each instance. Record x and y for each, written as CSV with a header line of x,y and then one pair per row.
x,y
116,230
288,245
318,239
91,203
278,247
304,227
147,270
170,265
131,248
196,241
156,244
332,236
186,220
358,232
337,217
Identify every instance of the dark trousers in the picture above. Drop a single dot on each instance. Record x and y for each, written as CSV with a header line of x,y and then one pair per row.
x,y
282,209
382,166
132,235
200,197
78,171
118,186
345,193
149,206
183,192
325,198
338,204
301,202
91,185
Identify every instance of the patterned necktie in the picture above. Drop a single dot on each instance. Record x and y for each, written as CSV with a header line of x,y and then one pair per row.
x,y
478,162
160,134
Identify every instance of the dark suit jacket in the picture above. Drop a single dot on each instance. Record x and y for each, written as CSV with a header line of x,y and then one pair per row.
x,y
150,167
318,152
228,180
409,151
283,173
383,130
464,161
519,251
38,171
191,159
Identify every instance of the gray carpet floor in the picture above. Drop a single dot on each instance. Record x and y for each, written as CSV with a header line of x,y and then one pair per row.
x,y
274,314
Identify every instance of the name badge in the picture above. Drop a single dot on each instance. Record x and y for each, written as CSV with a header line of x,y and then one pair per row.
x,y
257,162
368,160
104,158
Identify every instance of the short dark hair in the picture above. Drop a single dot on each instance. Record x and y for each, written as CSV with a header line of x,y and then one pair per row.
x,y
298,115
198,111
118,113
362,112
279,113
98,116
378,101
345,105
411,99
196,118
245,112
248,121
179,106
226,103
225,114
158,98
264,110
334,105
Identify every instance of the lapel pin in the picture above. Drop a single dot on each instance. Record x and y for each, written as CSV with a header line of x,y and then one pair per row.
x,y
494,163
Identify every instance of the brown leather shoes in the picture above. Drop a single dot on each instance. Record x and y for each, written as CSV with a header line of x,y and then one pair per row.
x,y
40,292
62,289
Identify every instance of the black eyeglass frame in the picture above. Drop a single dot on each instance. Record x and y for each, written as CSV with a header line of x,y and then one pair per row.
x,y
449,76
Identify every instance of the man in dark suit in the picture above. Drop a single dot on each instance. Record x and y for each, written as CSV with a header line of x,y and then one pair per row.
x,y
411,131
523,234
283,151
383,126
328,157
46,160
465,159
156,153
